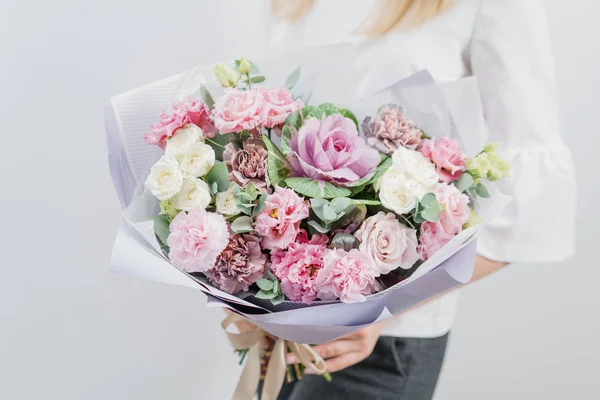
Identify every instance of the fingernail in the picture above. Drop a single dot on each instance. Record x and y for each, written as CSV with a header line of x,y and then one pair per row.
x,y
290,359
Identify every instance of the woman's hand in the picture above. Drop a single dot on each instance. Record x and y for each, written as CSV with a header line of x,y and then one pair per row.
x,y
346,351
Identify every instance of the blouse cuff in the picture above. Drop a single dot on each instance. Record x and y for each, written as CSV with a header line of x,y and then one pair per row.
x,y
538,225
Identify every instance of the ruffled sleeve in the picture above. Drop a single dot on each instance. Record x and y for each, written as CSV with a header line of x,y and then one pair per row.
x,y
511,57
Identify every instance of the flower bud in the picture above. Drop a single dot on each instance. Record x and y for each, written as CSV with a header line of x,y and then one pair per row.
x,y
227,76
244,67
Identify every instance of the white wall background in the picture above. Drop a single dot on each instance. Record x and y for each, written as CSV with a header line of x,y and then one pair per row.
x,y
69,330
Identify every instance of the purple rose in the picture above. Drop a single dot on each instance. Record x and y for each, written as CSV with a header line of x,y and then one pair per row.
x,y
330,149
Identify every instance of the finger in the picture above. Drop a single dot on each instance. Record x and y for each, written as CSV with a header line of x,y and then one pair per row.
x,y
341,362
328,350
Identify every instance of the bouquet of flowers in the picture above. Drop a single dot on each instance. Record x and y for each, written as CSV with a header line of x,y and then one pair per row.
x,y
287,211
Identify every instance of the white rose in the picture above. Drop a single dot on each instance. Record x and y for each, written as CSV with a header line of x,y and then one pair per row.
x,y
397,195
183,138
194,194
198,160
226,202
416,166
165,178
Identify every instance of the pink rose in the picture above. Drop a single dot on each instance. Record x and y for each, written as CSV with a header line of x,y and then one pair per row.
x,y
432,238
188,111
349,276
447,156
387,242
454,207
279,221
197,239
330,149
391,129
238,110
238,266
280,105
297,268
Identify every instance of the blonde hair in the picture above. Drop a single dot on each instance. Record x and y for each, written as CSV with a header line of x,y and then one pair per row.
x,y
387,15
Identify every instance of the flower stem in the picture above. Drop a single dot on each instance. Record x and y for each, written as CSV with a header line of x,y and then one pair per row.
x,y
215,143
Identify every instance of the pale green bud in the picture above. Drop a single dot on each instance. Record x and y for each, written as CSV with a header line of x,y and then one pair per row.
x,y
227,76
474,219
490,147
479,166
167,208
244,67
499,168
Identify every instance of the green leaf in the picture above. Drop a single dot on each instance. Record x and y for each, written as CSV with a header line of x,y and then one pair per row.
x,y
278,300
260,205
265,284
464,182
242,224
276,163
366,202
386,162
265,295
318,227
314,188
257,79
339,204
430,214
275,286
161,227
218,144
214,188
329,108
481,190
352,218
428,200
206,97
219,174
348,114
345,241
418,219
293,78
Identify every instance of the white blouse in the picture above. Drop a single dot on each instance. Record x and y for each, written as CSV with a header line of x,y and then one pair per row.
x,y
505,45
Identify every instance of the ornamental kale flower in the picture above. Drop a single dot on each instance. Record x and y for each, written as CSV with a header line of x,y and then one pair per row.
x,y
238,266
391,129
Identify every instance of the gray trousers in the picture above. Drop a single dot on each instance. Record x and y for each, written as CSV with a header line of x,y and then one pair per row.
x,y
398,369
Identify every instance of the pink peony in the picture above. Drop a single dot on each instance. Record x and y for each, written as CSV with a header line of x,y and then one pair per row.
x,y
249,164
391,129
447,156
280,105
454,208
196,240
188,111
279,221
432,238
330,149
238,110
238,266
387,242
349,276
297,267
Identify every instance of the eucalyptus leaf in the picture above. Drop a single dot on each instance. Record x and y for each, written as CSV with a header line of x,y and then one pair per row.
x,y
276,163
339,204
329,214
265,284
218,144
275,288
314,188
464,182
352,218
265,295
481,190
257,79
428,200
345,241
161,227
260,205
418,219
242,224
278,300
318,227
293,78
430,214
219,174
206,97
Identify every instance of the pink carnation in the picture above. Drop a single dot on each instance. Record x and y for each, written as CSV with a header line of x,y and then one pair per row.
x,y
279,221
238,266
238,110
188,111
447,155
391,129
454,208
349,276
196,240
298,266
432,238
280,105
